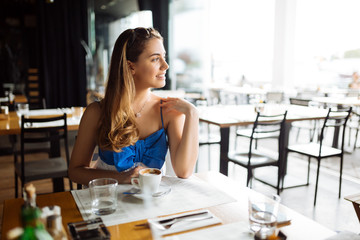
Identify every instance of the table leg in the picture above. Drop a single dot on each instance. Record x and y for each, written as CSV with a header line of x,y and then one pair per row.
x,y
224,149
283,145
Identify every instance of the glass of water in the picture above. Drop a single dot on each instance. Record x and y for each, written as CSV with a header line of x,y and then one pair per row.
x,y
103,195
22,109
263,211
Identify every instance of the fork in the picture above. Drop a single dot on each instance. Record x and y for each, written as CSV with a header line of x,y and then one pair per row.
x,y
169,224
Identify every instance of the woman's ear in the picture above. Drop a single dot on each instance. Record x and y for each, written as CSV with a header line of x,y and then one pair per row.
x,y
131,66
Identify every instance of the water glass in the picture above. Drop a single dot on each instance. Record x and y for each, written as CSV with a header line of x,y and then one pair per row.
x,y
103,195
22,109
263,211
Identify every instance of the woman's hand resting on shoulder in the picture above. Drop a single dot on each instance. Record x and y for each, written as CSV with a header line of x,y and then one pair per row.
x,y
178,104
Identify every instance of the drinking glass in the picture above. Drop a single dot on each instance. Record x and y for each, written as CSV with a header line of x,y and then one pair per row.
x,y
22,109
103,195
263,211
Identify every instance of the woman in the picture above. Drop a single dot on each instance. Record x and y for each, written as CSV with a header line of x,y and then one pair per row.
x,y
131,125
355,84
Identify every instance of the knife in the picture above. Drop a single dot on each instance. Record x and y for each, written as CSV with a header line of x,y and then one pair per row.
x,y
173,218
181,217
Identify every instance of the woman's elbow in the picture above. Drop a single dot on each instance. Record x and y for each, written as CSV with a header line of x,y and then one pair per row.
x,y
184,174
71,173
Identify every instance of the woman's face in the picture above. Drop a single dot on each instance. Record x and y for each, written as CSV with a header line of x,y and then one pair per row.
x,y
150,68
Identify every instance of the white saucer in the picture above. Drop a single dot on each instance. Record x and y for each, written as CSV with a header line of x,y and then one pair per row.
x,y
163,190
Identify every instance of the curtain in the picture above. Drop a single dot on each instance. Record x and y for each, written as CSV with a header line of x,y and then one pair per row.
x,y
63,24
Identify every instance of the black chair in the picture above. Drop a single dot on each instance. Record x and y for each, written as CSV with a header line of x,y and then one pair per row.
x,y
264,125
274,97
354,125
40,135
335,119
208,139
311,126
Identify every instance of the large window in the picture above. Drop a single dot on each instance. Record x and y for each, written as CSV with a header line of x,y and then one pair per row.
x,y
241,35
228,41
327,42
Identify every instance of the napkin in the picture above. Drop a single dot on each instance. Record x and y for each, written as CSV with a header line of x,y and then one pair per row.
x,y
183,225
231,231
345,235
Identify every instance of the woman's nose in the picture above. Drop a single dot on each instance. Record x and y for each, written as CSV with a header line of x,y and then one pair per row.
x,y
164,65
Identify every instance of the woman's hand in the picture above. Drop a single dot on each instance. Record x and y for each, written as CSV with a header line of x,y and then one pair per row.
x,y
178,104
182,130
131,173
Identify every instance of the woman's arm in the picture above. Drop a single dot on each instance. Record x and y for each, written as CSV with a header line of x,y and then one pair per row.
x,y
183,133
79,167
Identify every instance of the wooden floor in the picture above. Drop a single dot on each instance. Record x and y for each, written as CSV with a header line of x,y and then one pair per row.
x,y
330,211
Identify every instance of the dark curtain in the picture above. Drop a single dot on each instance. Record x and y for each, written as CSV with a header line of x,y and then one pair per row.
x,y
63,24
160,13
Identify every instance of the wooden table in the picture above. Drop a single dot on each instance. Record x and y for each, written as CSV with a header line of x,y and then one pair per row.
x,y
242,115
20,99
355,200
344,101
11,126
301,227
242,94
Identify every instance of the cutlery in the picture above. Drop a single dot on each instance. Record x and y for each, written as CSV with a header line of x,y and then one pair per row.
x,y
170,224
132,191
159,224
157,194
167,221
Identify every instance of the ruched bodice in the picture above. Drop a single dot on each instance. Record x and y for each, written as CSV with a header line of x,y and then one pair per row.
x,y
150,151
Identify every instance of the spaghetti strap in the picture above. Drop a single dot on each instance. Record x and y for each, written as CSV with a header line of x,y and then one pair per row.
x,y
162,121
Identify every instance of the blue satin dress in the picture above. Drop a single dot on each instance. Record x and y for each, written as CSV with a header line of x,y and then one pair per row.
x,y
150,151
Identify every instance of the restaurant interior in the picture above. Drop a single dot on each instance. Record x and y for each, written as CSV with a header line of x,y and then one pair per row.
x,y
236,61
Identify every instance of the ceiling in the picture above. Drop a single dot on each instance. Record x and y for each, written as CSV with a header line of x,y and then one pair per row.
x,y
115,8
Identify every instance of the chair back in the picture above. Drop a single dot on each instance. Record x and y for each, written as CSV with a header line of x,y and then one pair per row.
x,y
43,131
272,126
274,97
336,119
300,101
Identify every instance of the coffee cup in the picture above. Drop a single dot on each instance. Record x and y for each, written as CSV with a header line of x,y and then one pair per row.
x,y
148,181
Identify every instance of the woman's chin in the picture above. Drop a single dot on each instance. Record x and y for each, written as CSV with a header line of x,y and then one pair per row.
x,y
160,84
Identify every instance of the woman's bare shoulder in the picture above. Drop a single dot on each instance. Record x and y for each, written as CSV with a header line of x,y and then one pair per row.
x,y
93,111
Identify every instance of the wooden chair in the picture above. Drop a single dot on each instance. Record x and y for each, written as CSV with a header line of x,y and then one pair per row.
x,y
38,135
318,150
355,200
251,159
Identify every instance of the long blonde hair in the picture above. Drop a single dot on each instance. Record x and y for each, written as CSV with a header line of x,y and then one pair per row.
x,y
117,128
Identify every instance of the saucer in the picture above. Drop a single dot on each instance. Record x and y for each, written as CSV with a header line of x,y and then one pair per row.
x,y
163,190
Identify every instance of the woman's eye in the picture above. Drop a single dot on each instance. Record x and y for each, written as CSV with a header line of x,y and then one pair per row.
x,y
156,59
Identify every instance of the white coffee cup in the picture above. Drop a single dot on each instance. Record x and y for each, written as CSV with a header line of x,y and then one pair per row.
x,y
148,181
